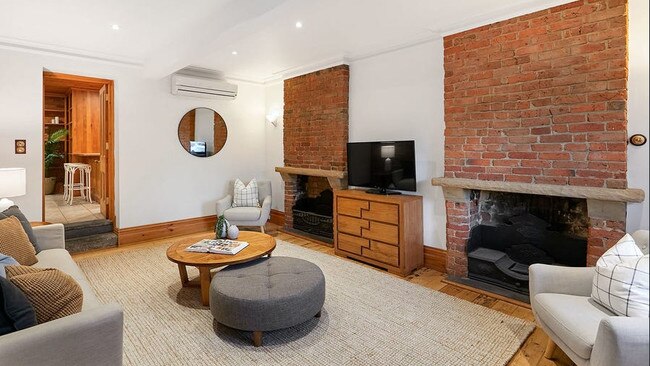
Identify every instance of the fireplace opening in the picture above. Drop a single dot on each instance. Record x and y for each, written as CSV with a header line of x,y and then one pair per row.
x,y
517,230
313,208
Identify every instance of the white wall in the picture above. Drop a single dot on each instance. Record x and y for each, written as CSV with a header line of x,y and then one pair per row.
x,y
638,116
274,142
399,96
157,180
204,128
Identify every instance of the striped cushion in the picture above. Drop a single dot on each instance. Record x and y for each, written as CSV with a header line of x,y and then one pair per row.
x,y
52,293
15,243
246,195
621,280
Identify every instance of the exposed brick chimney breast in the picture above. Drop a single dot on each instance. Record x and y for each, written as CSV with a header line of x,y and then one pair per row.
x,y
540,98
316,119
315,127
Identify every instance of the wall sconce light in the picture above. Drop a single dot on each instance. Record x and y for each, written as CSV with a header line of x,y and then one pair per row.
x,y
273,117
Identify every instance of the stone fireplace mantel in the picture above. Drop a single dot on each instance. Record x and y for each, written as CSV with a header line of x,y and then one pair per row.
x,y
589,193
337,179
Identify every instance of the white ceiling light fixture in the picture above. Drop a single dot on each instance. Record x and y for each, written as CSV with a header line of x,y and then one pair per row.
x,y
298,24
234,53
115,27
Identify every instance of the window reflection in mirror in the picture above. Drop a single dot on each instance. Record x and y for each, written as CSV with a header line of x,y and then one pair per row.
x,y
202,132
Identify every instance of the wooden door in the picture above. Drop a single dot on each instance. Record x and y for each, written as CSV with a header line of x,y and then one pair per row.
x,y
103,151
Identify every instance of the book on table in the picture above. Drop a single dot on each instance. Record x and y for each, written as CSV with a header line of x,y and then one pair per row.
x,y
217,246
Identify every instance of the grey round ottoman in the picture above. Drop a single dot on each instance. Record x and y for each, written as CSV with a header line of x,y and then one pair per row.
x,y
267,294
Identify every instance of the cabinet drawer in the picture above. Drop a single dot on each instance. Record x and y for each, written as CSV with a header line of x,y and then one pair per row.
x,y
350,207
350,225
385,253
384,212
352,244
382,232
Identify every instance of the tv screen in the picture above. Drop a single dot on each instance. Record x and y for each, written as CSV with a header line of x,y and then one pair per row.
x,y
383,165
198,148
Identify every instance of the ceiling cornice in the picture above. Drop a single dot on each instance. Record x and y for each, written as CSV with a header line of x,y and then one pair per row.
x,y
49,49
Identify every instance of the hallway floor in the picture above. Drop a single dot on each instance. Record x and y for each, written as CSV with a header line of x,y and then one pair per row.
x,y
58,211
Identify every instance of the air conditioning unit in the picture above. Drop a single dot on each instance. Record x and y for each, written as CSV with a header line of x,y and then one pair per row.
x,y
202,87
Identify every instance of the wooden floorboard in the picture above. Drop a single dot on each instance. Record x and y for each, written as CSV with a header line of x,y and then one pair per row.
x,y
530,354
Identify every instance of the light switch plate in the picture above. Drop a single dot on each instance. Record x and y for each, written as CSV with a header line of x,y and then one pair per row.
x,y
21,146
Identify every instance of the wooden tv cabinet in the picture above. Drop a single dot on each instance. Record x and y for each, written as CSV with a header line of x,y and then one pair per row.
x,y
385,231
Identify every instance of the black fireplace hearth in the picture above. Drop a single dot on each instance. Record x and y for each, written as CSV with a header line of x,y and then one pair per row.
x,y
313,215
500,254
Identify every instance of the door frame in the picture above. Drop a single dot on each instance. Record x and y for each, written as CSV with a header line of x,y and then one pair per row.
x,y
86,82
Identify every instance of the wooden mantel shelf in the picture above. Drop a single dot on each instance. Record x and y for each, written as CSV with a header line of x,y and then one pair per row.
x,y
594,193
336,178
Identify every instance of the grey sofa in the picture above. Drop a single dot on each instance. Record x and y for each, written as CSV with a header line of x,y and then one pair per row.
x,y
91,337
247,216
587,332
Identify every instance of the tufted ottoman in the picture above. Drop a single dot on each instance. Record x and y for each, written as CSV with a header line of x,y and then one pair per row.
x,y
267,294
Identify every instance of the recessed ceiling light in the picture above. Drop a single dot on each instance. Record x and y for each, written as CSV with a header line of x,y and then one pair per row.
x,y
298,24
115,27
234,53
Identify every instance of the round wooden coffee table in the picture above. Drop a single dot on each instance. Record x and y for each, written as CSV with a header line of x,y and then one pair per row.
x,y
259,245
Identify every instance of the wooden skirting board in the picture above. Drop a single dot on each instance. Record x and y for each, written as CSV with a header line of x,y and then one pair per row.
x,y
436,259
277,217
137,234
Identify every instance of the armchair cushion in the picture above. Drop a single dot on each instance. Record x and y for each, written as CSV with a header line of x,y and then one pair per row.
x,y
243,214
246,195
621,280
574,319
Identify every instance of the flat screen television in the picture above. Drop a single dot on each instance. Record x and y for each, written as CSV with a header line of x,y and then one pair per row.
x,y
198,148
383,166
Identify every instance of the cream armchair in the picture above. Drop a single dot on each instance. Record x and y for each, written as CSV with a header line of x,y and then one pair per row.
x,y
247,216
587,332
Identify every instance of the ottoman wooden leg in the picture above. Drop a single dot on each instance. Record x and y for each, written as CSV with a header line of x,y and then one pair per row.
x,y
257,338
317,315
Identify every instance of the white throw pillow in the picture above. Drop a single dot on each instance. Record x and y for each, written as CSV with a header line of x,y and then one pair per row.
x,y
246,195
621,281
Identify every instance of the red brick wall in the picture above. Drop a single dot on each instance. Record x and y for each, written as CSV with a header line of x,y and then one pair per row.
x,y
316,119
315,125
540,98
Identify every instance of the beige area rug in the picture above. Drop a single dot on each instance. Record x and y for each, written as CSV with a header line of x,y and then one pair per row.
x,y
369,318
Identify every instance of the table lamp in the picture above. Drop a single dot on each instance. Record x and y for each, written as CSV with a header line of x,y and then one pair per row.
x,y
13,183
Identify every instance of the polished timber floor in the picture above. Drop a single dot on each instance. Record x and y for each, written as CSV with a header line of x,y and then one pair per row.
x,y
531,352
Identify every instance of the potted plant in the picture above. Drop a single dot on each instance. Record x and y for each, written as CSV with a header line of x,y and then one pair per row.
x,y
51,153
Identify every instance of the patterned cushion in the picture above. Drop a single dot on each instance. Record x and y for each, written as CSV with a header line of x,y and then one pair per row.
x,y
15,243
15,211
246,195
52,293
621,282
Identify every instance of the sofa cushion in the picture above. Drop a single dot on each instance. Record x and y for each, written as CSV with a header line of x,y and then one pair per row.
x,y
15,212
61,260
243,214
16,312
14,242
575,319
52,293
6,260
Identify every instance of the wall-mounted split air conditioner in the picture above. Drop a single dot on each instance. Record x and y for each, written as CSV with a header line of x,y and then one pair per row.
x,y
202,87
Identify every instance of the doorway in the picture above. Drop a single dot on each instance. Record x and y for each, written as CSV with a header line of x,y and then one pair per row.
x,y
78,132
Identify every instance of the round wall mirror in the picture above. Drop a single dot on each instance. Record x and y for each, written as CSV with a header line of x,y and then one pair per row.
x,y
202,132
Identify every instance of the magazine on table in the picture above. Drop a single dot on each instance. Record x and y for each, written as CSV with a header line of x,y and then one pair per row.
x,y
218,246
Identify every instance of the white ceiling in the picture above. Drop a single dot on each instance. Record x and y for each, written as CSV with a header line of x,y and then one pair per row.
x,y
167,35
